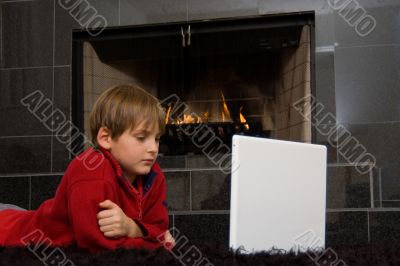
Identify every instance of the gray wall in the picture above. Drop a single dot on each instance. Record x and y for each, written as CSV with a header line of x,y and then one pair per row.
x,y
357,78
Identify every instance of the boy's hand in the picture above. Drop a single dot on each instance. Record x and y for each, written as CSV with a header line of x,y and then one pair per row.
x,y
169,241
114,223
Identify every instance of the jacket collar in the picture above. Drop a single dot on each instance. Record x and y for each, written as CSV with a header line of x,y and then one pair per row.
x,y
116,166
147,179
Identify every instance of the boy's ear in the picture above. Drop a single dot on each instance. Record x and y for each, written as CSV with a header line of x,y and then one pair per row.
x,y
104,138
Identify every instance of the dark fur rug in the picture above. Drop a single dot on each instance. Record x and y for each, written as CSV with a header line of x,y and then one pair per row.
x,y
211,254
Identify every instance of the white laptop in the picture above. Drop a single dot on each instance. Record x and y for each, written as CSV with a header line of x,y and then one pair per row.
x,y
278,195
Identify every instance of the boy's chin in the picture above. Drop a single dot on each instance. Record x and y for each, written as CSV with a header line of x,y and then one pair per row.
x,y
144,171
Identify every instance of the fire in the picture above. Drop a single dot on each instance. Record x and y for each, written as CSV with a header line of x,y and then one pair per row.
x,y
188,119
225,114
242,119
167,116
204,118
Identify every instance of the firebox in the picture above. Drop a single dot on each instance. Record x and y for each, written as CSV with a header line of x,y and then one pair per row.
x,y
238,76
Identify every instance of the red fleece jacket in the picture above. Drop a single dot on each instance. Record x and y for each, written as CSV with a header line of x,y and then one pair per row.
x,y
70,216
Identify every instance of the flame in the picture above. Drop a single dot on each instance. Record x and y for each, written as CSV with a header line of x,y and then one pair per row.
x,y
188,119
205,117
242,119
167,116
191,119
225,112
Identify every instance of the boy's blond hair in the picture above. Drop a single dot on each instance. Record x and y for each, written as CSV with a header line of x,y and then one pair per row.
x,y
124,107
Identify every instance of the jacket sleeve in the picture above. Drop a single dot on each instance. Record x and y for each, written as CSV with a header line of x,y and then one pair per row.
x,y
83,206
155,215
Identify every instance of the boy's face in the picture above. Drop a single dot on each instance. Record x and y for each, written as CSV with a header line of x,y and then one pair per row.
x,y
136,150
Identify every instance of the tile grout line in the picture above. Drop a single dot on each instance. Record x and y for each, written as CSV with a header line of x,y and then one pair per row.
x,y
363,210
32,174
1,37
190,191
23,68
16,1
173,223
380,187
52,87
28,136
30,193
119,12
371,188
368,46
70,113
368,228
202,212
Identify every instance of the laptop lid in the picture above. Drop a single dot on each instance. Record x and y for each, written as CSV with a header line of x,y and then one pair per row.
x,y
278,194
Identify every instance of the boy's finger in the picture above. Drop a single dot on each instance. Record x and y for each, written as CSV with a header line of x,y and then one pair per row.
x,y
106,228
106,221
110,234
108,204
105,214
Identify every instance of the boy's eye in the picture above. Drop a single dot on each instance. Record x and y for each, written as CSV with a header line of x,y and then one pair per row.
x,y
140,137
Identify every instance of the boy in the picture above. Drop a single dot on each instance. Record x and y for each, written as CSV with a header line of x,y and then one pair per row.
x,y
112,195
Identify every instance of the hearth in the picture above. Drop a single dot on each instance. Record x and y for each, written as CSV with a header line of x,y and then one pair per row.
x,y
236,76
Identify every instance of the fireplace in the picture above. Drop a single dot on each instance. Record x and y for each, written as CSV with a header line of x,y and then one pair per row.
x,y
234,76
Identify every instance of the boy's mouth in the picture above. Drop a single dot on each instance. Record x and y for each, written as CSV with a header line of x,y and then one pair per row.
x,y
148,161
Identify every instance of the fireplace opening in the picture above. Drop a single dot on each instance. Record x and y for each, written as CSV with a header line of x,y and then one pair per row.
x,y
237,76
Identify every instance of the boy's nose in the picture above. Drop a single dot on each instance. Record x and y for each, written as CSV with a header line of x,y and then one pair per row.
x,y
153,146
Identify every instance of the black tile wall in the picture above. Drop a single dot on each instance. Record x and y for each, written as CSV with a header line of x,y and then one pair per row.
x,y
25,155
43,188
391,203
62,91
135,12
178,190
324,26
346,228
60,155
325,80
210,190
64,23
171,223
15,85
200,162
367,82
22,23
377,187
172,161
381,140
1,36
15,190
384,32
347,188
331,145
109,9
384,226
221,9
204,228
268,6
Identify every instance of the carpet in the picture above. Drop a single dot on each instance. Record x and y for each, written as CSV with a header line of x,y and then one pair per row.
x,y
202,255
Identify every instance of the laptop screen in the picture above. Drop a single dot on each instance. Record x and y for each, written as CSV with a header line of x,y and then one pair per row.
x,y
278,194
